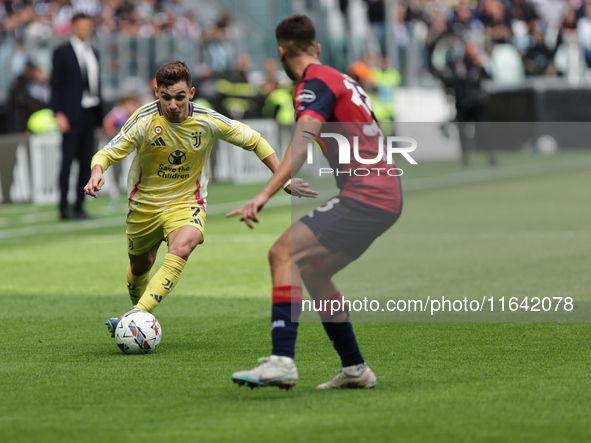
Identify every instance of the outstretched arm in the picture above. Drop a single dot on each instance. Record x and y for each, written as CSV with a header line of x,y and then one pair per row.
x,y
292,161
295,186
96,181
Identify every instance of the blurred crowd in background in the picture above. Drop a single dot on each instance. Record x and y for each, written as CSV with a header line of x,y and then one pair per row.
x,y
514,39
138,18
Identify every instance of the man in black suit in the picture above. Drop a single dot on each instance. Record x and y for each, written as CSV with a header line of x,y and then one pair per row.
x,y
76,101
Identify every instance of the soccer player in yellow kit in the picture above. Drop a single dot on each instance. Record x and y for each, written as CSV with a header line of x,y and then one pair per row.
x,y
168,179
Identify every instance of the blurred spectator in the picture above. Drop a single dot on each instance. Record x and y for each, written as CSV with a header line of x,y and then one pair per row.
x,y
271,78
463,77
76,101
241,73
402,35
437,32
278,99
584,32
463,22
551,11
376,13
239,96
360,72
217,46
112,124
116,118
176,8
538,59
205,87
28,93
497,25
386,80
569,22
279,105
523,10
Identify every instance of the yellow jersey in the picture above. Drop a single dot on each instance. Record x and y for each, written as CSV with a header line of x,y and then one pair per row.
x,y
171,168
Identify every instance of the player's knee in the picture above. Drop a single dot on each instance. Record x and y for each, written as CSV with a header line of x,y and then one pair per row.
x,y
140,268
182,251
312,274
278,255
307,273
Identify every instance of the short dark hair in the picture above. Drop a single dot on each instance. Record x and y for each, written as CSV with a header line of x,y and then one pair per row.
x,y
173,72
296,33
80,16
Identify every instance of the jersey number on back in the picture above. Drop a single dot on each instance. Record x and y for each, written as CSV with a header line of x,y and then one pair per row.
x,y
358,95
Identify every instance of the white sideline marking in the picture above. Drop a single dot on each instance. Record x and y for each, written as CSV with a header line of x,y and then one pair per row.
x,y
217,238
495,173
500,235
119,220
464,177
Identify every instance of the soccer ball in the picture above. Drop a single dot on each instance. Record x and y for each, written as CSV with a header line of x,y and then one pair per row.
x,y
138,333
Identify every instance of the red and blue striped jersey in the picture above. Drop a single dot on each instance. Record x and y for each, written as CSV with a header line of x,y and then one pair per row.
x,y
330,96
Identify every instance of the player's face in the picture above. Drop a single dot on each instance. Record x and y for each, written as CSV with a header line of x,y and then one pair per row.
x,y
286,66
83,28
175,101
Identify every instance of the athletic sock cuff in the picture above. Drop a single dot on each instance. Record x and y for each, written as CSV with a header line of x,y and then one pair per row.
x,y
175,262
287,294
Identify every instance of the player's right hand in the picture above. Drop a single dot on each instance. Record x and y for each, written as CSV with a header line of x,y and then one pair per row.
x,y
95,184
299,188
250,210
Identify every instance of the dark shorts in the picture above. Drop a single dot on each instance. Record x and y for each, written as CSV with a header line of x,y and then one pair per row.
x,y
347,225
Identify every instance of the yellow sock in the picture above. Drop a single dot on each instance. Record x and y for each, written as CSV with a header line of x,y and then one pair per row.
x,y
136,285
162,283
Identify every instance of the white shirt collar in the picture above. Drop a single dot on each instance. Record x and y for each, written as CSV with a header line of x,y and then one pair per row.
x,y
77,43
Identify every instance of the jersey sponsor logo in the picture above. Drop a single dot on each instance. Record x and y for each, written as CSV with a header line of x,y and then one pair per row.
x,y
158,130
177,157
305,95
116,139
197,137
158,142
166,171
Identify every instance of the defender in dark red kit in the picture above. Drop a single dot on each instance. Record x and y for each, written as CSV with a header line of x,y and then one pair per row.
x,y
326,240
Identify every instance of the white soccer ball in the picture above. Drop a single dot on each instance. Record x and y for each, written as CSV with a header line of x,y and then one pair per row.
x,y
138,333
546,145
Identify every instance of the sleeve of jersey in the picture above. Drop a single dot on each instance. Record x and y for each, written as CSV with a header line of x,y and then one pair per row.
x,y
244,137
123,144
314,98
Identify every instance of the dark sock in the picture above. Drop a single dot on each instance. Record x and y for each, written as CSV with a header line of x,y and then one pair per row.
x,y
341,335
285,313
343,339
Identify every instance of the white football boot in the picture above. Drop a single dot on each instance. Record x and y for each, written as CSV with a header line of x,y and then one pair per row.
x,y
352,377
274,371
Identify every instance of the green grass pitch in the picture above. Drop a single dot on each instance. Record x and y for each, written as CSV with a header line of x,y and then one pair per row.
x,y
522,228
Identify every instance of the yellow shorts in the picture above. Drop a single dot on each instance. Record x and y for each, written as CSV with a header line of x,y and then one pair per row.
x,y
145,230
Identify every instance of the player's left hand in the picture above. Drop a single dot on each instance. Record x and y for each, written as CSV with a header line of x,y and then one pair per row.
x,y
250,210
299,188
